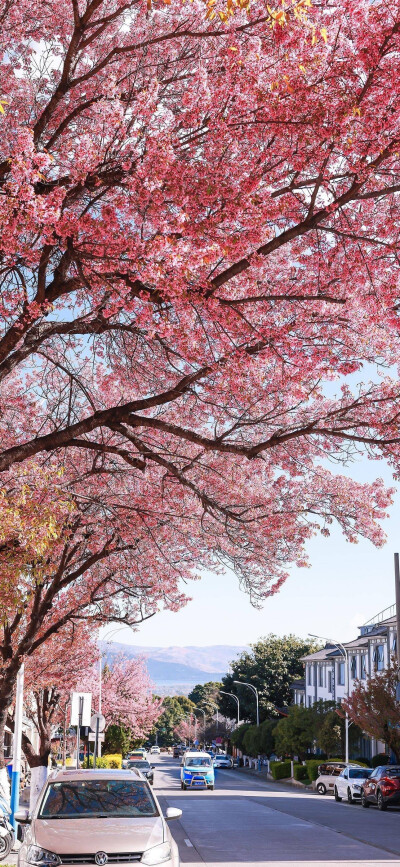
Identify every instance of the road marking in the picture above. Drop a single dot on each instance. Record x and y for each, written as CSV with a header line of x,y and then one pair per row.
x,y
188,843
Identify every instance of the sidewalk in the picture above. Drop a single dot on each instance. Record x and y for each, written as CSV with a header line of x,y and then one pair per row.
x,y
267,778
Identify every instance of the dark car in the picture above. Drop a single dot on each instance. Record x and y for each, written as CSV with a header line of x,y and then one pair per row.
x,y
382,788
144,767
176,752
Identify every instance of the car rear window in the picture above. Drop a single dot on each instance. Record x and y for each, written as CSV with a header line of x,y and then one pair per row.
x,y
360,773
392,772
80,799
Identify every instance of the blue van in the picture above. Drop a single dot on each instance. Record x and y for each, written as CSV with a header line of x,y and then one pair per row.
x,y
197,771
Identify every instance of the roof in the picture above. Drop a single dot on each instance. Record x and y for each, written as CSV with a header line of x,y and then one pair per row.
x,y
69,774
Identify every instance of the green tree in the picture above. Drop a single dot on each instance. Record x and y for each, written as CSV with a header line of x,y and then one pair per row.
x,y
270,665
237,736
294,734
374,708
117,739
329,737
205,695
174,708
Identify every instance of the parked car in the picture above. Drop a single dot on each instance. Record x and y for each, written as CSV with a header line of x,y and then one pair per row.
x,y
327,773
382,787
176,752
140,753
349,783
197,771
144,767
155,750
223,761
80,814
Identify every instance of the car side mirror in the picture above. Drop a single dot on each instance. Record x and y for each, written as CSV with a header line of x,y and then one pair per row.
x,y
173,813
23,817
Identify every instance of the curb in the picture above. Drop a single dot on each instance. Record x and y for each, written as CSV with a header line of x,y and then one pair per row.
x,y
264,775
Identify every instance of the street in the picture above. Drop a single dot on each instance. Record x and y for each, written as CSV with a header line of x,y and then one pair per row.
x,y
250,822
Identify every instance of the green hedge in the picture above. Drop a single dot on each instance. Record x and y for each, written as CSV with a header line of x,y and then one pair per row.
x,y
312,768
379,759
280,770
300,773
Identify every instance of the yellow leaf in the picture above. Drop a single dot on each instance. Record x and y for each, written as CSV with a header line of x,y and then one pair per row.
x,y
302,69
324,34
232,48
356,110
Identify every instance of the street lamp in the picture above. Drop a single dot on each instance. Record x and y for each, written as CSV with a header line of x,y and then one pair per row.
x,y
342,648
204,715
232,695
216,708
250,686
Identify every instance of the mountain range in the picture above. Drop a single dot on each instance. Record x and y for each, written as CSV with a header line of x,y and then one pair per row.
x,y
176,670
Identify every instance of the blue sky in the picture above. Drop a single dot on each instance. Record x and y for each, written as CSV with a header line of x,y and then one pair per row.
x,y
345,586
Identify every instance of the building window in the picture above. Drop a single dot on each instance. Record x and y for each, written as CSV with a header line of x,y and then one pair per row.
x,y
341,673
354,667
309,671
309,701
321,675
378,657
363,667
330,680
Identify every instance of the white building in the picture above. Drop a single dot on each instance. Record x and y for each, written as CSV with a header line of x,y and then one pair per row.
x,y
325,670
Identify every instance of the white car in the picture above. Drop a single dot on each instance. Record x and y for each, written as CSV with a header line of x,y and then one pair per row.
x,y
96,817
223,761
155,750
349,784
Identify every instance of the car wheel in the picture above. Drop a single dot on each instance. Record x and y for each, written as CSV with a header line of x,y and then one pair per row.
x,y
349,797
321,789
211,787
381,802
364,802
183,786
337,796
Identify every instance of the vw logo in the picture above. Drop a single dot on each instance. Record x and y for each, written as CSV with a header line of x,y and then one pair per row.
x,y
100,859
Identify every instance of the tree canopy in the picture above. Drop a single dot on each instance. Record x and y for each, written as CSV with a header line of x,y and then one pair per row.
x,y
270,666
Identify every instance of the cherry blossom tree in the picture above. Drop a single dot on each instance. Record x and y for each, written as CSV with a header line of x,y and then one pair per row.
x,y
127,695
199,229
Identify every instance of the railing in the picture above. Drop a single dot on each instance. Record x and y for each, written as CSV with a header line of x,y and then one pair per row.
x,y
383,615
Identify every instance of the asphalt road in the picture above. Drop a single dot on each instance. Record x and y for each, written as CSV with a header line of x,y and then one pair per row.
x,y
259,824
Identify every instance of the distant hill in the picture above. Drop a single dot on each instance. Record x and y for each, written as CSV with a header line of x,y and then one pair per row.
x,y
176,670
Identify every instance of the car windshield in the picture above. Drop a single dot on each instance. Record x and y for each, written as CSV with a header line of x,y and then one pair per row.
x,y
81,799
359,773
202,762
138,764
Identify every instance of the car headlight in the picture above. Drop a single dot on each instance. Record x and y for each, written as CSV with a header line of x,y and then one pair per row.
x,y
157,855
37,855
356,786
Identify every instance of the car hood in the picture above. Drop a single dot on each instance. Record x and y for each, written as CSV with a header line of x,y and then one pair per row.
x,y
194,769
88,836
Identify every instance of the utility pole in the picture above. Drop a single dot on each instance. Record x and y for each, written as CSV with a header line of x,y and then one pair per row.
x,y
98,752
16,763
78,730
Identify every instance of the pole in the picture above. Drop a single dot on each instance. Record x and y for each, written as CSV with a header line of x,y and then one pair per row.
x,y
232,695
96,742
78,731
16,763
397,585
64,749
98,752
253,688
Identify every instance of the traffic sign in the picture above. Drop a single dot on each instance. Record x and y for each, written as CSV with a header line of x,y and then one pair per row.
x,y
92,737
98,721
81,708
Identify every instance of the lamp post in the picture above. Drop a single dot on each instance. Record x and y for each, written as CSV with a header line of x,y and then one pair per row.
x,y
232,695
216,708
204,715
250,686
16,762
343,650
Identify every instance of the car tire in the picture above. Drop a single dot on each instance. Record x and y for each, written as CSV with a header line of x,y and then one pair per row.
x,y
183,786
364,802
337,796
211,787
349,797
321,789
380,801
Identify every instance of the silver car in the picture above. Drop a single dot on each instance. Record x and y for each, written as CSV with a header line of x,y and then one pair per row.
x,y
97,817
350,782
223,761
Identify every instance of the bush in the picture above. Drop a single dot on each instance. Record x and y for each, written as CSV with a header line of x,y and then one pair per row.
x,y
312,768
112,761
280,770
362,760
380,759
300,773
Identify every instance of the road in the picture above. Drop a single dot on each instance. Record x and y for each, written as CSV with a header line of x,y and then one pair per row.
x,y
259,824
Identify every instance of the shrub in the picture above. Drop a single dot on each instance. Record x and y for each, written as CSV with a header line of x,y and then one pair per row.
x,y
362,760
379,759
280,770
300,772
112,761
312,768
